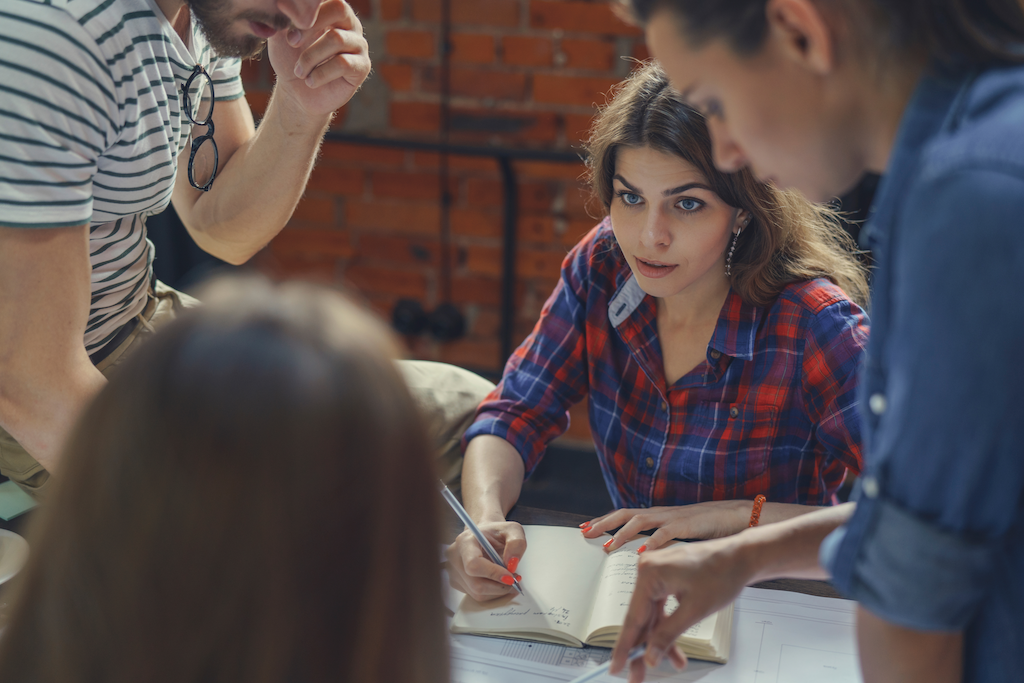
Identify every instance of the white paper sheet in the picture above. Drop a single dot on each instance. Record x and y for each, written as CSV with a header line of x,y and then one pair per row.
x,y
778,637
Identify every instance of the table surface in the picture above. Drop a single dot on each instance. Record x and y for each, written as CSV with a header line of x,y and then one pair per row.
x,y
527,515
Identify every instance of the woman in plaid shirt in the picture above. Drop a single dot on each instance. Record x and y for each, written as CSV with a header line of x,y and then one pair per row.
x,y
710,321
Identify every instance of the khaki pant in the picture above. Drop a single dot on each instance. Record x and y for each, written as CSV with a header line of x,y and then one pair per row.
x,y
447,395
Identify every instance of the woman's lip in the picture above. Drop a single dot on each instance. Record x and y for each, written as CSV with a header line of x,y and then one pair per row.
x,y
653,269
262,30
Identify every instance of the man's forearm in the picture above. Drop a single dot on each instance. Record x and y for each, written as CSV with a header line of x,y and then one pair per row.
x,y
254,195
790,549
492,478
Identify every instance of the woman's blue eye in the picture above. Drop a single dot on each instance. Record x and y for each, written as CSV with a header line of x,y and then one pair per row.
x,y
630,198
689,204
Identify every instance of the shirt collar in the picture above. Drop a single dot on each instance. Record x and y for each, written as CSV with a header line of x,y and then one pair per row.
x,y
734,334
935,105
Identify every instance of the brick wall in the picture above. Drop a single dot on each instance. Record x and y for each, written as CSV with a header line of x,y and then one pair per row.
x,y
524,74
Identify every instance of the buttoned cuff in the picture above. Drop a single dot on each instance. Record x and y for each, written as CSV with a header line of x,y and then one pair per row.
x,y
906,570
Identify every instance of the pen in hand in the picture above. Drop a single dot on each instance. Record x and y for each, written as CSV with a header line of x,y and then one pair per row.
x,y
603,669
468,521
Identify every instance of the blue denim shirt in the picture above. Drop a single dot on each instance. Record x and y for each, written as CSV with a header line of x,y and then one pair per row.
x,y
937,540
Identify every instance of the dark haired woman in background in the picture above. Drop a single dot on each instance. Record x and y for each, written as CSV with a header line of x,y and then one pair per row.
x,y
250,499
812,94
709,322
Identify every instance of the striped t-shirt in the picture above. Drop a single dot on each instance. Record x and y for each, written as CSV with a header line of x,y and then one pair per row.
x,y
91,129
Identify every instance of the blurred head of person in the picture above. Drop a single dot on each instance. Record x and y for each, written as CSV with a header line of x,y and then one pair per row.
x,y
251,498
676,216
809,94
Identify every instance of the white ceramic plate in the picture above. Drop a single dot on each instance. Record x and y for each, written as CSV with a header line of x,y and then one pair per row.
x,y
13,554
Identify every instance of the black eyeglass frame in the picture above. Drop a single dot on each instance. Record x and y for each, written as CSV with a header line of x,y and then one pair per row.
x,y
198,70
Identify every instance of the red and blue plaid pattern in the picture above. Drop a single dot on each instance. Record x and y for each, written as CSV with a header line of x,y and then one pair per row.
x,y
772,410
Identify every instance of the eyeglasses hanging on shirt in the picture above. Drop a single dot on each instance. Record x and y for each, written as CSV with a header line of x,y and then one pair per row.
x,y
197,102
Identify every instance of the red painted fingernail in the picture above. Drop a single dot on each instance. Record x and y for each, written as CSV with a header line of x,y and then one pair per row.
x,y
507,580
609,542
641,548
585,524
518,578
512,564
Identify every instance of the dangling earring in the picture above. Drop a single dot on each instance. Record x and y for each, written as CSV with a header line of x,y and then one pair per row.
x,y
732,248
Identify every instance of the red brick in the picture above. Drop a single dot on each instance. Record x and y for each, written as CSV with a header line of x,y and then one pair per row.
x,y
397,76
315,210
362,155
363,9
579,426
475,223
455,162
322,269
585,91
536,229
409,185
483,354
418,116
536,197
486,322
575,230
526,51
412,44
481,290
640,51
577,127
553,170
376,279
482,192
599,55
258,101
483,260
539,263
577,16
329,178
399,250
414,218
391,10
312,242
580,203
487,12
472,48
475,82
256,73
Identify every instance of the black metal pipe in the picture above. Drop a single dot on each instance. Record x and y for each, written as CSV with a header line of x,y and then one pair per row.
x,y
508,264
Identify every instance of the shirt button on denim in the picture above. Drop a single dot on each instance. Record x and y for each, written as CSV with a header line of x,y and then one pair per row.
x,y
877,403
734,411
870,486
650,462
715,353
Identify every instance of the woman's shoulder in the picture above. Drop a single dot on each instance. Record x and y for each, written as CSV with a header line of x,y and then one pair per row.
x,y
811,298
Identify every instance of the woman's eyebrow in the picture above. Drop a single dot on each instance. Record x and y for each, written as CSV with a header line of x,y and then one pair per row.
x,y
684,188
627,184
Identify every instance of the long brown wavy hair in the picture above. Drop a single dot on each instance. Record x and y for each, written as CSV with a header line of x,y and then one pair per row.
x,y
250,499
788,239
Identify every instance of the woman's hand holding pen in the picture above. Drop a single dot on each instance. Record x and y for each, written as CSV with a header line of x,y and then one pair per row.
x,y
473,573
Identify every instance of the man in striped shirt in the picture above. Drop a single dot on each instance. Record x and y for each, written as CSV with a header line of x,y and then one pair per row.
x,y
95,137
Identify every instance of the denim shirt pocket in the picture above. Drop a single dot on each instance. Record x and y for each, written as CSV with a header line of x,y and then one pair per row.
x,y
727,445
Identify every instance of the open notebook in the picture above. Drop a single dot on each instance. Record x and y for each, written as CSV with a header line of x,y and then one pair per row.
x,y
574,593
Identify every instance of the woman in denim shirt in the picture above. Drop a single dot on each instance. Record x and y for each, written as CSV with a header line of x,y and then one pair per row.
x,y
812,94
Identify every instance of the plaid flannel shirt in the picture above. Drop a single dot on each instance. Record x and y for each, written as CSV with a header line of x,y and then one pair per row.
x,y
772,410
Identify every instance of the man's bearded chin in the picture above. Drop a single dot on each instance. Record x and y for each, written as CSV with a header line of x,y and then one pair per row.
x,y
220,27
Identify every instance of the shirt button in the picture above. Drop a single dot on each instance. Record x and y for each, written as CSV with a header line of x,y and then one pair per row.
x,y
664,405
734,411
715,353
877,403
870,486
650,462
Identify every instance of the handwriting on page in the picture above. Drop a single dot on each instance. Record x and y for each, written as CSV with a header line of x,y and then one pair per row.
x,y
557,615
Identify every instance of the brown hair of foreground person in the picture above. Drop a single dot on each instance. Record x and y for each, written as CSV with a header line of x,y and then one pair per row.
x,y
251,499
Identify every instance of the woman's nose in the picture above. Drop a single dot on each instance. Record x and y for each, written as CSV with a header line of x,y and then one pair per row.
x,y
729,158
